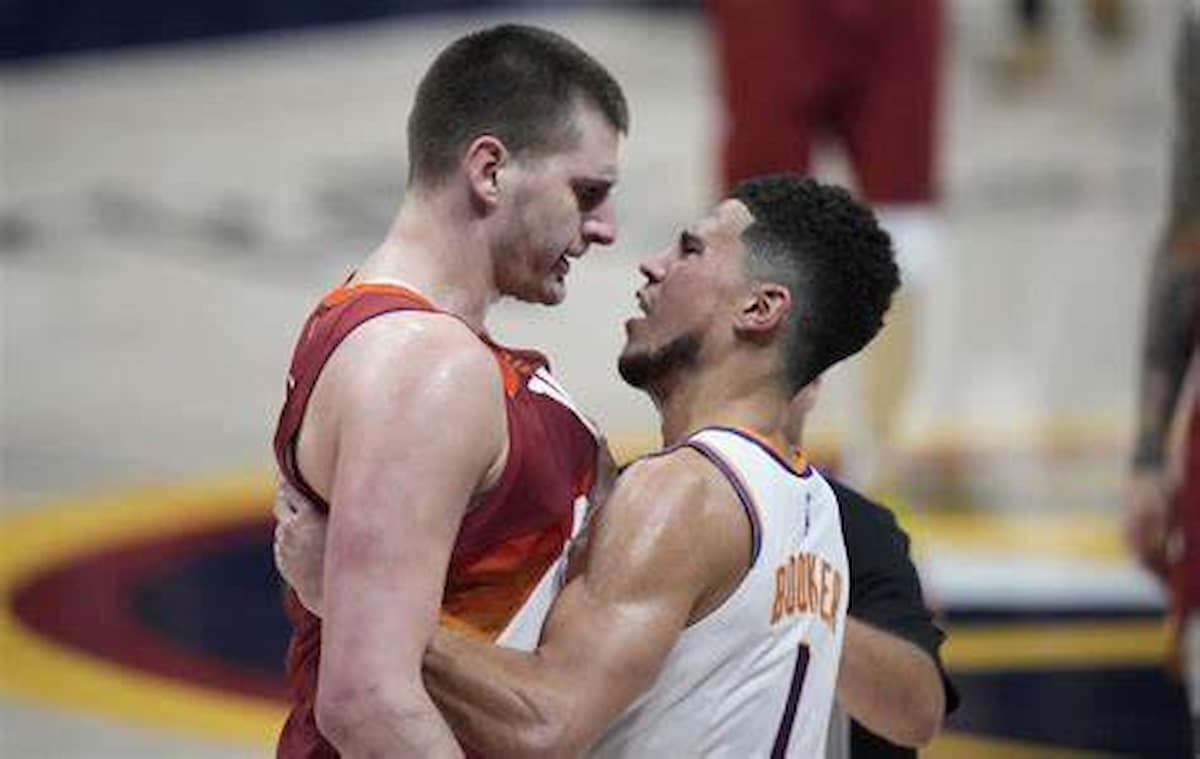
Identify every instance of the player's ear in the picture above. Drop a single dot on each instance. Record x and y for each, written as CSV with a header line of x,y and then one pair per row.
x,y
482,163
764,308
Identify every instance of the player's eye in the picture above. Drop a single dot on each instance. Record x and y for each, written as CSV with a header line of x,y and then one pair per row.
x,y
590,196
690,245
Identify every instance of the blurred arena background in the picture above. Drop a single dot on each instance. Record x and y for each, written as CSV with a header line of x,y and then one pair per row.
x,y
180,184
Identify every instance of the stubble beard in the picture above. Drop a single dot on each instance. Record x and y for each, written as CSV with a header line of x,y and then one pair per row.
x,y
645,369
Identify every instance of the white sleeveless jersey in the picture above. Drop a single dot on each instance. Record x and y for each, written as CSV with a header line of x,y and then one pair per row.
x,y
756,676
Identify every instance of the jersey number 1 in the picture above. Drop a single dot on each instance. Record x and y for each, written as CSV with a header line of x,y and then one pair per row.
x,y
789,712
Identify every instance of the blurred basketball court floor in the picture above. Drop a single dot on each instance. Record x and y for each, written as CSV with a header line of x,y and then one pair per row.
x,y
169,214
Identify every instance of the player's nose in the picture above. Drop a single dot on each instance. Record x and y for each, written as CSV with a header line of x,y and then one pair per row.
x,y
600,226
653,266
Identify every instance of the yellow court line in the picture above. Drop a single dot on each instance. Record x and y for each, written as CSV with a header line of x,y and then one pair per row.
x,y
1060,432
959,746
1072,535
45,671
1084,643
39,669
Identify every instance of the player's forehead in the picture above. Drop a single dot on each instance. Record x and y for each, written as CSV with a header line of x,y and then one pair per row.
x,y
593,154
723,224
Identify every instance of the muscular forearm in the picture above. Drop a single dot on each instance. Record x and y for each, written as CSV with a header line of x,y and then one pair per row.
x,y
493,698
889,685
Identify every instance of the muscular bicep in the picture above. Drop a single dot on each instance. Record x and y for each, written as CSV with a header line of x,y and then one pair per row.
x,y
418,429
659,548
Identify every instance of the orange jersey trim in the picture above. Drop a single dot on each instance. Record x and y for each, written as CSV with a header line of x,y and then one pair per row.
x,y
799,461
511,369
344,293
508,372
461,626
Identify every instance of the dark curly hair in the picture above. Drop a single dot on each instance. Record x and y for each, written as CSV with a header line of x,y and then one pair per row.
x,y
519,83
830,252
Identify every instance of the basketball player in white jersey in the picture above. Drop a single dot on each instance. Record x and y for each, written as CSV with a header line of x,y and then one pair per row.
x,y
704,615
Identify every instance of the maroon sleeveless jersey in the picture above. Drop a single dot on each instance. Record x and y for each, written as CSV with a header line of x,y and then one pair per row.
x,y
507,540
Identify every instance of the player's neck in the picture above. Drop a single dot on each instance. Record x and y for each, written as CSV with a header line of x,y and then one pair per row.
x,y
445,260
715,399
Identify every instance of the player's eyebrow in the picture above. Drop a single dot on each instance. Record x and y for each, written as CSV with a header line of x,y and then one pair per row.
x,y
595,184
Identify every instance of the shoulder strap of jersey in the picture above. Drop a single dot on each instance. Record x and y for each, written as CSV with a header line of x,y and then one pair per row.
x,y
340,312
710,447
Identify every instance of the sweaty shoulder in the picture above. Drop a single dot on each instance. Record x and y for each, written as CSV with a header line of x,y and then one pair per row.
x,y
429,346
407,378
425,369
675,484
680,507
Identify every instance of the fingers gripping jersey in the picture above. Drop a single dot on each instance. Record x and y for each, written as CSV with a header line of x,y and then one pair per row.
x,y
510,540
756,677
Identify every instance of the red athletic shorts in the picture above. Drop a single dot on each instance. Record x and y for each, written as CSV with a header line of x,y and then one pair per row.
x,y
863,71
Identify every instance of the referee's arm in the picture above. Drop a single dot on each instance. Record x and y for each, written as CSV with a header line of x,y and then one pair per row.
x,y
890,680
890,686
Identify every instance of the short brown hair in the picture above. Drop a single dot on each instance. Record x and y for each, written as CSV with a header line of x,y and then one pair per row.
x,y
519,83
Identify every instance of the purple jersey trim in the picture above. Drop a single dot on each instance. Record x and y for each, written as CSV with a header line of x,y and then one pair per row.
x,y
739,487
768,449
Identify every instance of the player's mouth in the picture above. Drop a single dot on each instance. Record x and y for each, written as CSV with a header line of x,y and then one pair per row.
x,y
563,264
643,302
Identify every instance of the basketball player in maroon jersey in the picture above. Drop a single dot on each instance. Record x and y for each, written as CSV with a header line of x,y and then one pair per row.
x,y
451,468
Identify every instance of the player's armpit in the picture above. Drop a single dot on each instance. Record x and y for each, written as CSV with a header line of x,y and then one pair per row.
x,y
417,412
670,540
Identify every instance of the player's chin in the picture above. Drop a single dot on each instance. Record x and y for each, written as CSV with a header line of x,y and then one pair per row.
x,y
544,294
632,364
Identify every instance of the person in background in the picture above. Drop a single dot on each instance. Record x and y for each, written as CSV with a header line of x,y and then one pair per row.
x,y
1029,54
866,74
1162,518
